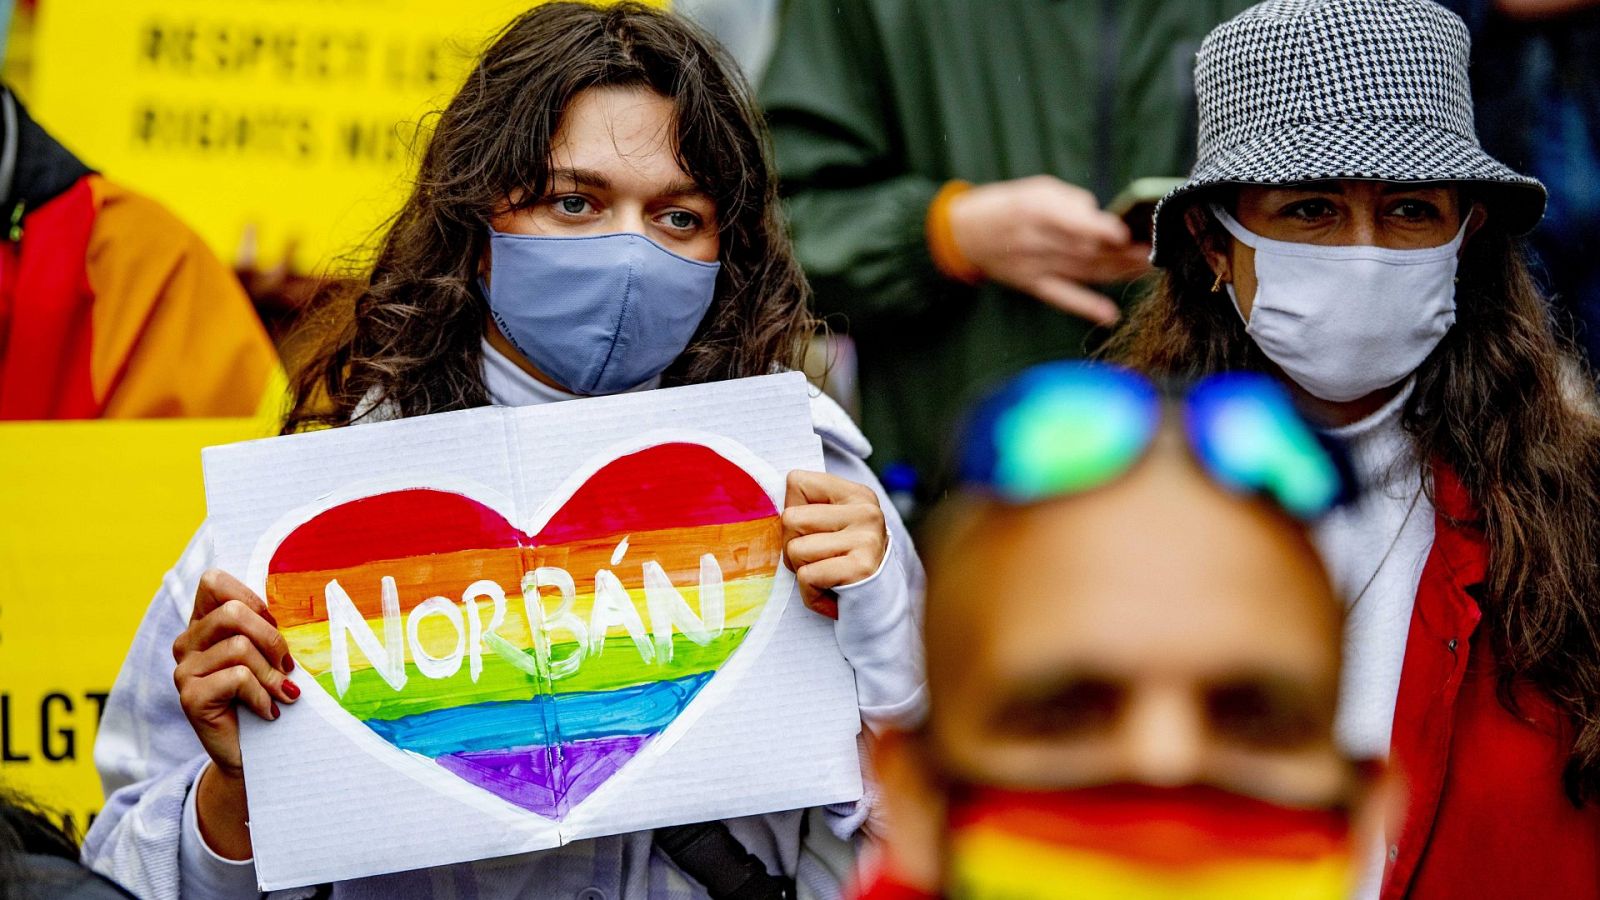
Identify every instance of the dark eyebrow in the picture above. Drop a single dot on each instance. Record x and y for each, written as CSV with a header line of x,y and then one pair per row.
x,y
582,178
1049,683
591,179
1317,187
1413,187
1278,684
683,189
1389,187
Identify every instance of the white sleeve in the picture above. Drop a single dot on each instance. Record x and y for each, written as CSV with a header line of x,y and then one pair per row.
x,y
880,617
146,752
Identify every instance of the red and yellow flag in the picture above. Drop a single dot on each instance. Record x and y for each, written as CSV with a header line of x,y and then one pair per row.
x,y
1133,842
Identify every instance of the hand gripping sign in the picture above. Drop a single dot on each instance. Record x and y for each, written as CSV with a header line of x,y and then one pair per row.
x,y
520,627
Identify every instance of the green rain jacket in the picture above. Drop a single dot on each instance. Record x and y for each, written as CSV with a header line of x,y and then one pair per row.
x,y
874,104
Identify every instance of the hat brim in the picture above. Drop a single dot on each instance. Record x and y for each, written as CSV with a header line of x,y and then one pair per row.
x,y
1368,150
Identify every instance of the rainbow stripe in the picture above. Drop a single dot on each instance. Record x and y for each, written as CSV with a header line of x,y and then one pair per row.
x,y
508,722
1134,842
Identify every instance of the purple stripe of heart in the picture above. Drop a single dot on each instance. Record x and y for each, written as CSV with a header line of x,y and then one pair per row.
x,y
545,782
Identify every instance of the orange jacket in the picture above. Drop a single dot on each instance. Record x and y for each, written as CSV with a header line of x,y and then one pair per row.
x,y
111,307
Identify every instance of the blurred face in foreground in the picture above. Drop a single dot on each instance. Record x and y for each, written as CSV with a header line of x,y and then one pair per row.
x,y
1158,653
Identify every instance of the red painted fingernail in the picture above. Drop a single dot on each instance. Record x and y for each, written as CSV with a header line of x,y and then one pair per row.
x,y
292,689
274,710
288,664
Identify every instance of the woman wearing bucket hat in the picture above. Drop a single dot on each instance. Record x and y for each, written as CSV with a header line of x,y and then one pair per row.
x,y
1343,230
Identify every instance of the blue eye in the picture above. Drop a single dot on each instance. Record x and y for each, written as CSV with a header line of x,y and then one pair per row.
x,y
572,205
682,220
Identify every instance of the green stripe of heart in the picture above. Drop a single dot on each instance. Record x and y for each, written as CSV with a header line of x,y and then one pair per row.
x,y
369,697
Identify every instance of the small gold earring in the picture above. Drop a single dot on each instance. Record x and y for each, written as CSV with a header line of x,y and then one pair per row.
x,y
1216,286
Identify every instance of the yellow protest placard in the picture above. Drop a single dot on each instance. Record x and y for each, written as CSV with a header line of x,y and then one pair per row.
x,y
298,116
92,515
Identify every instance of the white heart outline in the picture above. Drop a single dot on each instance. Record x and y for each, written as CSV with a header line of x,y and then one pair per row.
x,y
424,769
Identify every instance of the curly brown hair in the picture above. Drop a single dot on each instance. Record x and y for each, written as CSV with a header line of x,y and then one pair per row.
x,y
412,342
1503,405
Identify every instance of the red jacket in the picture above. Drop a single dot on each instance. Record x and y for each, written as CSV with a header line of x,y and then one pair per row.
x,y
1485,814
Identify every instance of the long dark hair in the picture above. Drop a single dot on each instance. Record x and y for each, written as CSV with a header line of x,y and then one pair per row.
x,y
32,851
1508,410
412,345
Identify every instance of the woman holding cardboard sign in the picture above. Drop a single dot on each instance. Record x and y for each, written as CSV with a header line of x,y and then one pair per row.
x,y
593,215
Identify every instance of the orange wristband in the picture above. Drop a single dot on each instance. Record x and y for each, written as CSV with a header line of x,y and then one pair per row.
x,y
947,255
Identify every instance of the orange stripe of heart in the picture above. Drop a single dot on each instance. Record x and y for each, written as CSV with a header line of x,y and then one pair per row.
x,y
742,549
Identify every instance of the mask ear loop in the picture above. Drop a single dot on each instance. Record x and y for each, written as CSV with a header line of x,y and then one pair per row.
x,y
1240,233
1244,236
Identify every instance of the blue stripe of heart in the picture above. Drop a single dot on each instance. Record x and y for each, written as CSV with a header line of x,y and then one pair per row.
x,y
639,710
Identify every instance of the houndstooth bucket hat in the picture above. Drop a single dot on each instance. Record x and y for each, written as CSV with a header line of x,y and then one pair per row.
x,y
1305,90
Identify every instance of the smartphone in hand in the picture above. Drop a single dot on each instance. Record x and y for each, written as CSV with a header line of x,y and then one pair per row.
x,y
1136,205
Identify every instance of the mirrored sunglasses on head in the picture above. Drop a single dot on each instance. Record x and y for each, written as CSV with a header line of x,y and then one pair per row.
x,y
1065,427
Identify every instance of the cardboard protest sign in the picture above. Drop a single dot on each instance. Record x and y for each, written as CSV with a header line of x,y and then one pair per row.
x,y
516,628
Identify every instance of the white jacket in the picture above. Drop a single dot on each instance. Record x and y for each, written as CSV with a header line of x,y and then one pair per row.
x,y
149,758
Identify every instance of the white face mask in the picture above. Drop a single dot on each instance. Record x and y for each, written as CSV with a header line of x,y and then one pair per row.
x,y
1346,321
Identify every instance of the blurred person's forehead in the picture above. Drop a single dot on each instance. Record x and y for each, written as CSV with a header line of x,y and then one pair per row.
x,y
1162,569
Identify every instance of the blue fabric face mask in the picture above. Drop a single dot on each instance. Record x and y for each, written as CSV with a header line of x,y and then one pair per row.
x,y
600,314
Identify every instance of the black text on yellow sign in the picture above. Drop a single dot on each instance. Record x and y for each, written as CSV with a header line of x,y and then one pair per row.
x,y
50,728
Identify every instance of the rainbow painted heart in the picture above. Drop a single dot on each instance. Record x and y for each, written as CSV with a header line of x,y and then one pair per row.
x,y
532,666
